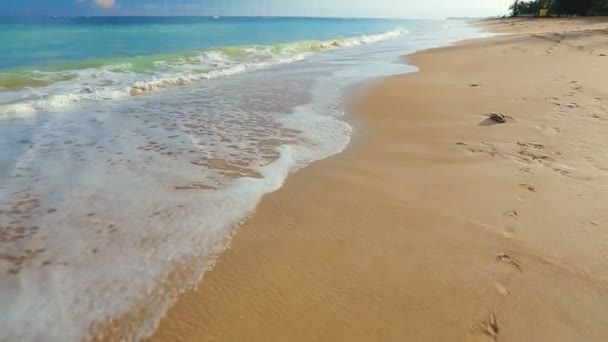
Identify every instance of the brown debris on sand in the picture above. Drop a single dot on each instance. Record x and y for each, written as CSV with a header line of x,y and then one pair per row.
x,y
497,117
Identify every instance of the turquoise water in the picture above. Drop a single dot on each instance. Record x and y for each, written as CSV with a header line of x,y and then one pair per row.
x,y
51,63
38,52
131,149
56,41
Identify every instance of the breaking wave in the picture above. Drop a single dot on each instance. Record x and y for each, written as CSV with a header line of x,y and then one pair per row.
x,y
24,92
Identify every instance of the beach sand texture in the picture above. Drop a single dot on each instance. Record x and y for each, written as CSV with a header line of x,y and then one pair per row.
x,y
437,224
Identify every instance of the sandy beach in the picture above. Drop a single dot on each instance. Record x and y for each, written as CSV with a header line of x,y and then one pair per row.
x,y
437,224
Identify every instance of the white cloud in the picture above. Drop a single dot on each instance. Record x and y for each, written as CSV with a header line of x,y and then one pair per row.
x,y
101,3
104,3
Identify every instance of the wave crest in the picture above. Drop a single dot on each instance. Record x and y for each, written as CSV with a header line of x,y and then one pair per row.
x,y
26,92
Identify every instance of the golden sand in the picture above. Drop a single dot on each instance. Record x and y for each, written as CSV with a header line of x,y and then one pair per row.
x,y
436,224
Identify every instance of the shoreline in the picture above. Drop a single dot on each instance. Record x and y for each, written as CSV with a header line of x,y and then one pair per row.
x,y
434,218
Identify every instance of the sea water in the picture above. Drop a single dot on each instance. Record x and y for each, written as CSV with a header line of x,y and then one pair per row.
x,y
131,149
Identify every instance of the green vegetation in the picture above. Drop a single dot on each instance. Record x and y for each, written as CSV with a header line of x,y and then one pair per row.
x,y
560,7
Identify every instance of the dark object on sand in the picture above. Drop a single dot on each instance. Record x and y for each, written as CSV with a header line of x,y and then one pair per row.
x,y
497,117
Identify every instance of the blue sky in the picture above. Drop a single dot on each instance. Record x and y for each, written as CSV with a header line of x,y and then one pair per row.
x,y
341,8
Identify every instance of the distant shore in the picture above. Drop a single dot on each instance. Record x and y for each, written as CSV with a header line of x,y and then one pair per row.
x,y
438,224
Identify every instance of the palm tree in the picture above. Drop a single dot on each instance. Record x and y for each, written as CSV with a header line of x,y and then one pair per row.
x,y
515,8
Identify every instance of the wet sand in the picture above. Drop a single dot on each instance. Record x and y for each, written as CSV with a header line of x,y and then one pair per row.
x,y
437,224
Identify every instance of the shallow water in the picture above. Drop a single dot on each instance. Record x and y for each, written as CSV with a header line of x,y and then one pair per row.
x,y
115,204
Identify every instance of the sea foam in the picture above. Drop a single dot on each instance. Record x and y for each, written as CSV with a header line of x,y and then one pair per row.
x,y
119,80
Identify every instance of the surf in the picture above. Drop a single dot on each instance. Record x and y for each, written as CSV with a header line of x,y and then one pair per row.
x,y
30,90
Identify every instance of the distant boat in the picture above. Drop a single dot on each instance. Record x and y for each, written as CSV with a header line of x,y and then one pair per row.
x,y
216,17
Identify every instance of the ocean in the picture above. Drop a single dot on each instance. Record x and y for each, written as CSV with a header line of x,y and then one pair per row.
x,y
132,148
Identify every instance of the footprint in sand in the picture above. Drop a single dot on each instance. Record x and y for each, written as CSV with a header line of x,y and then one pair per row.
x,y
529,187
532,151
561,172
550,130
537,146
596,116
553,100
509,259
486,330
559,77
526,170
502,289
491,327
509,233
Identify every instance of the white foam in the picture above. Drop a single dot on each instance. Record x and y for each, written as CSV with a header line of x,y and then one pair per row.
x,y
117,216
56,303
113,82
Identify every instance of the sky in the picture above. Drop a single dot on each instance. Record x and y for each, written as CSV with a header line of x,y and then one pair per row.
x,y
333,8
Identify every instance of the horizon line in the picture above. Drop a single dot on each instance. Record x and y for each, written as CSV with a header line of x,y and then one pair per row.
x,y
217,16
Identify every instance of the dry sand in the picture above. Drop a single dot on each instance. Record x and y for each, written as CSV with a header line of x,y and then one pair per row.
x,y
435,221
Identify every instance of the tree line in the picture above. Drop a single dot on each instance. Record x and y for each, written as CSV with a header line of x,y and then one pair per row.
x,y
560,7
